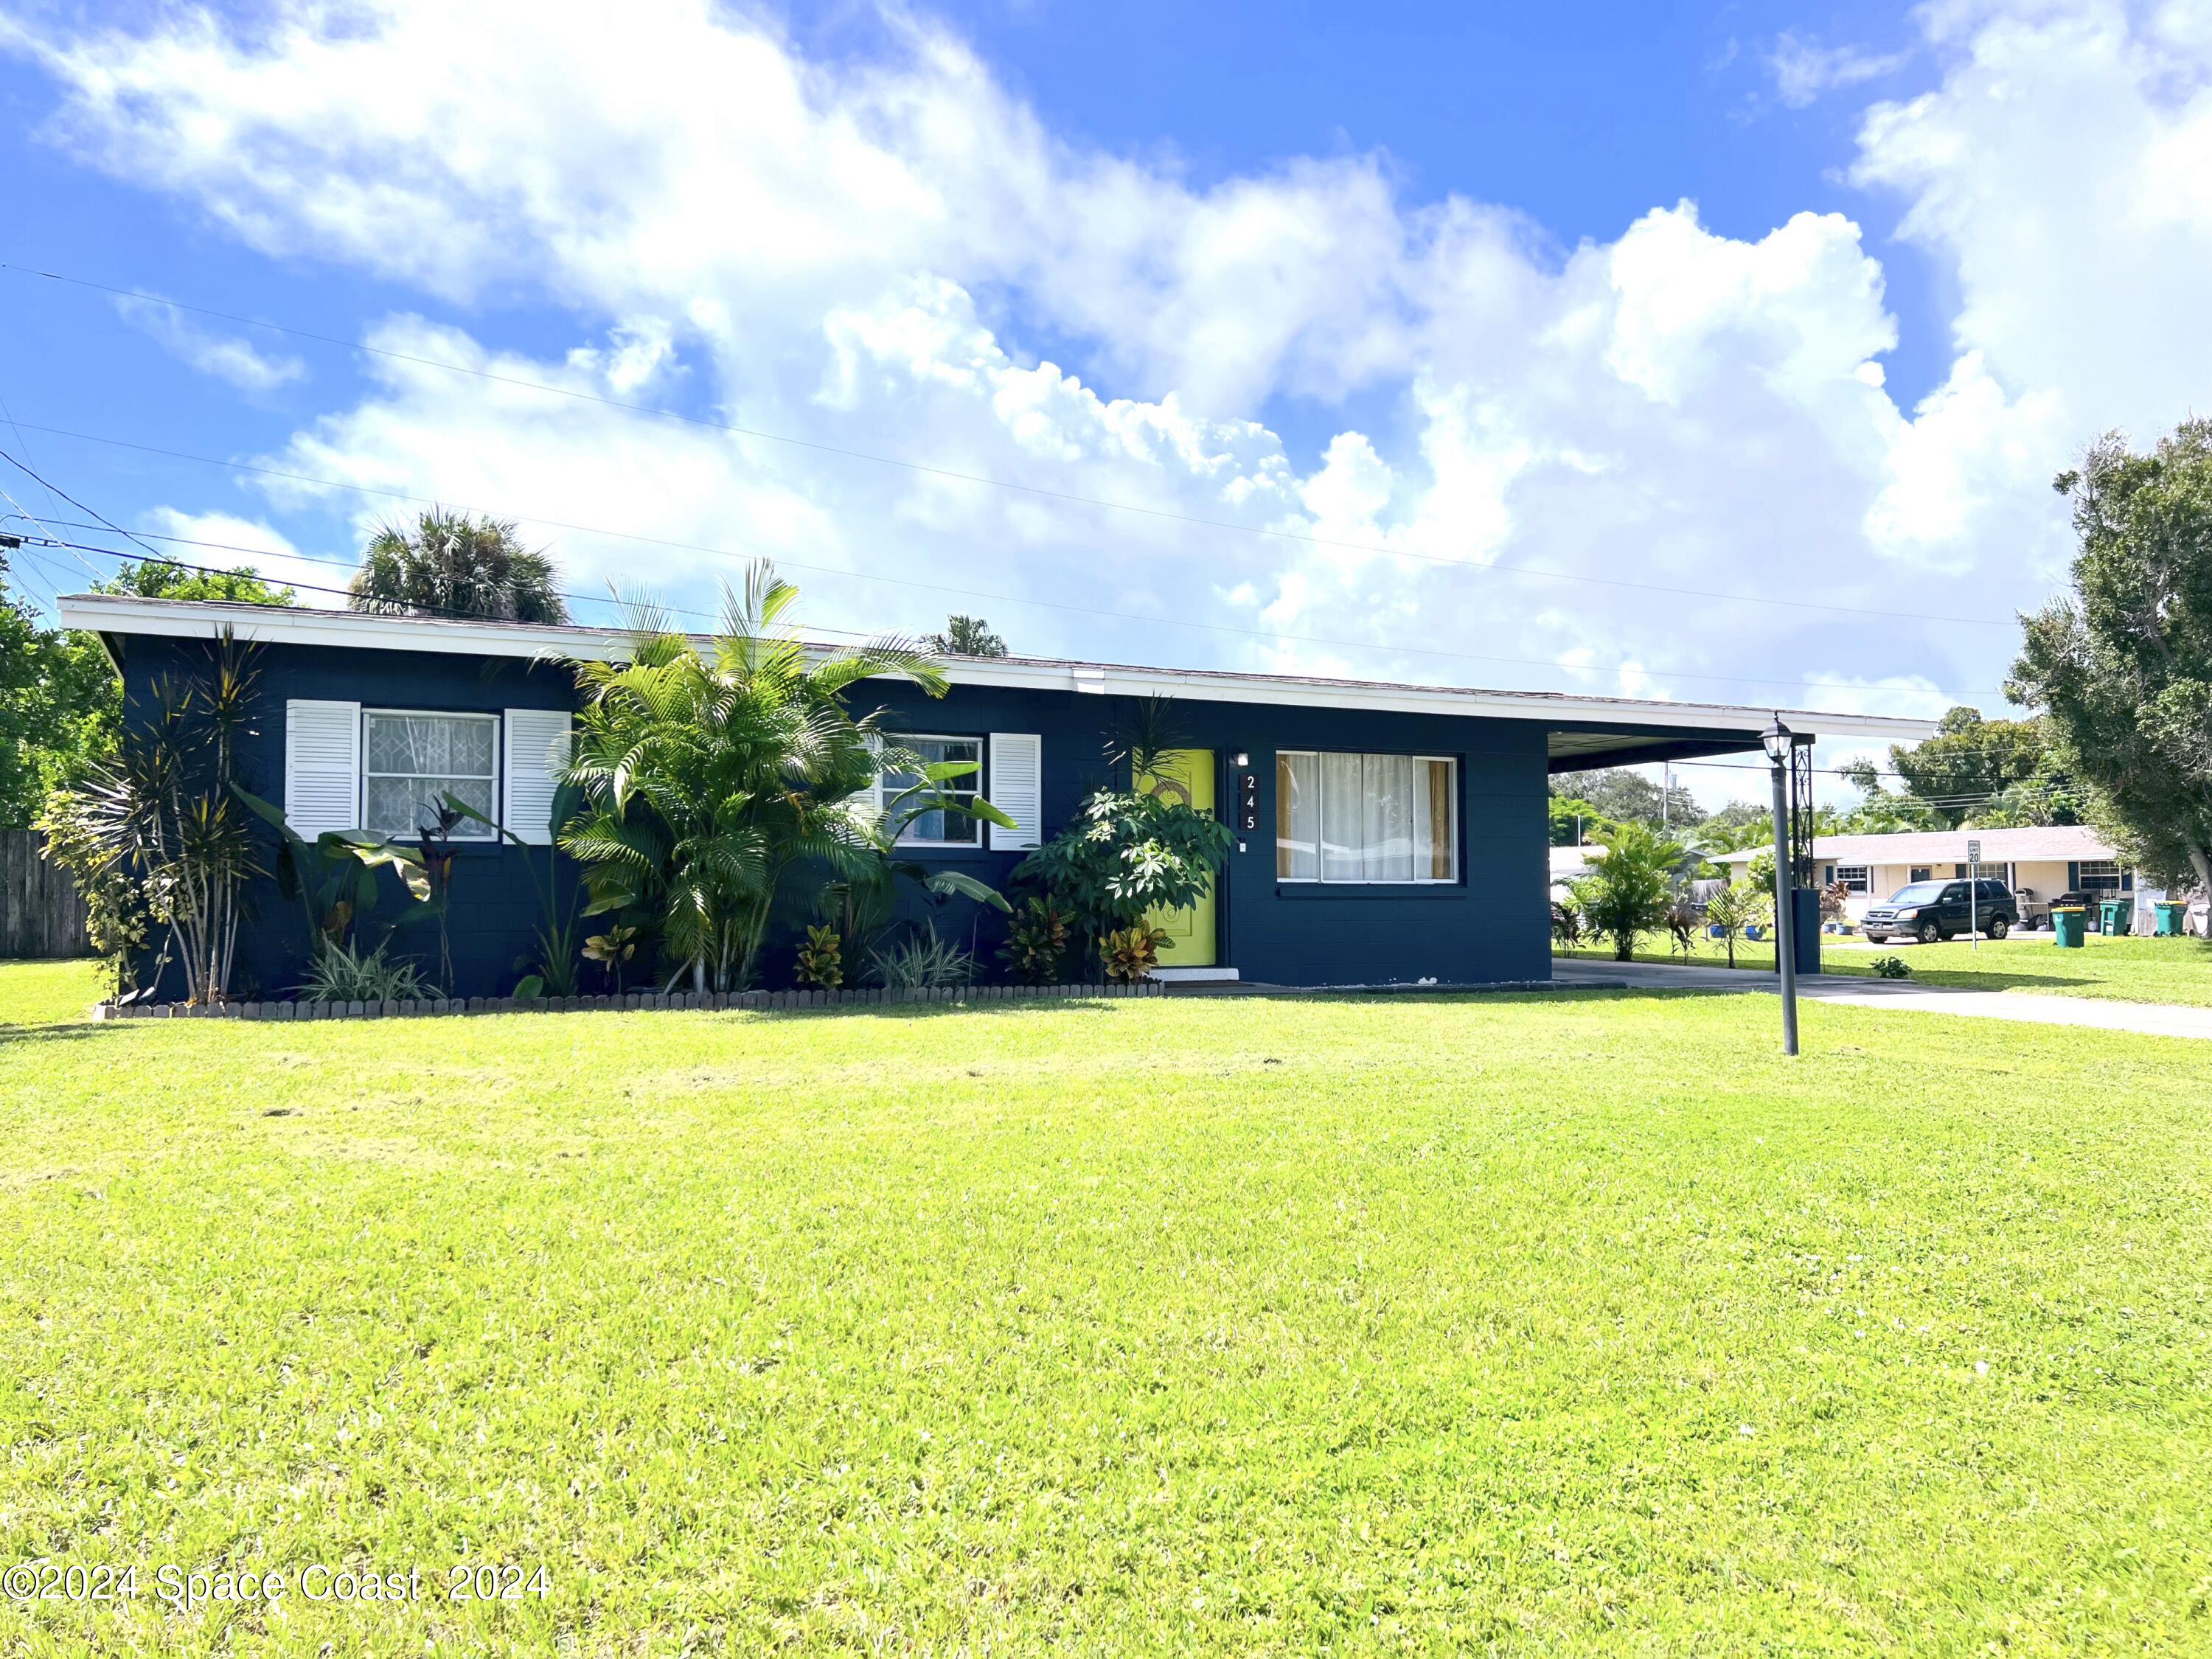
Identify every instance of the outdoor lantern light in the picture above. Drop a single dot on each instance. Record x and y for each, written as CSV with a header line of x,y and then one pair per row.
x,y
1777,737
1243,760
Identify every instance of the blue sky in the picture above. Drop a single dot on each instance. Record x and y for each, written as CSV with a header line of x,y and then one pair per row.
x,y
1746,338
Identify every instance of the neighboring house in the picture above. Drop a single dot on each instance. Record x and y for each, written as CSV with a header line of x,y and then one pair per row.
x,y
2047,861
1385,833
1567,863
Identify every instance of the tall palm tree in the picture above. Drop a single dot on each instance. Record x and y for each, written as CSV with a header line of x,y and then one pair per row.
x,y
710,776
451,564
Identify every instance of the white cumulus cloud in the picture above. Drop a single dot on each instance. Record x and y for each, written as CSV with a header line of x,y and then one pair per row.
x,y
1571,463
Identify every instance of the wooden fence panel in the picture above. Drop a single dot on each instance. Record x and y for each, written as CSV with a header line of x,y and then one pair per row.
x,y
41,914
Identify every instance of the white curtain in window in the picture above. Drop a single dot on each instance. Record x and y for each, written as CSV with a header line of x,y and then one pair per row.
x,y
1387,817
1343,846
1298,817
1376,817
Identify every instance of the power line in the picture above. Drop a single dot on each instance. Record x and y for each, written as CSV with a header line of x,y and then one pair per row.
x,y
941,587
1040,490
614,601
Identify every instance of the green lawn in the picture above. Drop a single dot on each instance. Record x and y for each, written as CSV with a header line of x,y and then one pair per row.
x,y
1532,1324
2174,970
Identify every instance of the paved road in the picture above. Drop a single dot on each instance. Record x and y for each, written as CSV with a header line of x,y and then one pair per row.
x,y
2154,1019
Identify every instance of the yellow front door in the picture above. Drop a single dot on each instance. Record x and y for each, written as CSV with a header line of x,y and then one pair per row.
x,y
1186,775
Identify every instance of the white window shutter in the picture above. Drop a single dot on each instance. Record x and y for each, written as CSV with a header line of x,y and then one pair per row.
x,y
1015,786
322,766
537,747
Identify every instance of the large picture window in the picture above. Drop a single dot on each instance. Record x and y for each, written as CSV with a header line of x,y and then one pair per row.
x,y
1855,877
1344,817
410,759
2099,876
946,827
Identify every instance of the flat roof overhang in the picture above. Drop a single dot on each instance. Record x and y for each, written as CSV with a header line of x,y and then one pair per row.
x,y
1583,731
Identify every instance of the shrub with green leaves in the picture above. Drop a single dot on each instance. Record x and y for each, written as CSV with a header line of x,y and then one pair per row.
x,y
822,959
1037,943
1128,954
1629,891
341,974
1125,854
919,961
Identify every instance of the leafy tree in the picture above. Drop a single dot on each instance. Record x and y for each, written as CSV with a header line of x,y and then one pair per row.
x,y
2121,668
1881,811
450,564
1625,796
1739,825
1628,892
1970,761
59,708
967,636
159,579
1127,853
1575,821
712,779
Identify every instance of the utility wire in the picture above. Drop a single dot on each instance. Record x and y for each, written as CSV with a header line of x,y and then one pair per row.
x,y
617,601
936,587
1039,490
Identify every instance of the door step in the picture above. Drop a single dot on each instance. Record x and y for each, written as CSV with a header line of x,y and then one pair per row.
x,y
1195,976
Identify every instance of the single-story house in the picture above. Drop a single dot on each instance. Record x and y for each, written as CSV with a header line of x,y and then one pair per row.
x,y
2045,861
1385,833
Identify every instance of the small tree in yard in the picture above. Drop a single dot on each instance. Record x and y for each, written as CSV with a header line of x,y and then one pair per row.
x,y
1628,892
1734,908
1127,854
2121,667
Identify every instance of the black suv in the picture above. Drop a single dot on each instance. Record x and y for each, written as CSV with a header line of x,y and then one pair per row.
x,y
1929,910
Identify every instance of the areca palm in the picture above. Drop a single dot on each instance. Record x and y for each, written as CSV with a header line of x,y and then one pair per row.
x,y
710,775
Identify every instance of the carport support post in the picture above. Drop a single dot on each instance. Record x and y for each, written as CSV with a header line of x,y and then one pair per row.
x,y
1778,740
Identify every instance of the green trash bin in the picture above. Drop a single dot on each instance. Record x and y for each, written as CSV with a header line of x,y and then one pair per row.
x,y
2170,913
2116,914
2069,926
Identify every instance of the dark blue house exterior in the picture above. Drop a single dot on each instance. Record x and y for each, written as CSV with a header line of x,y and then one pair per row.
x,y
1385,833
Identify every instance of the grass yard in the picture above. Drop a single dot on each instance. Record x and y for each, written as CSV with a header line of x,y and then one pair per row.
x,y
1530,1324
2171,971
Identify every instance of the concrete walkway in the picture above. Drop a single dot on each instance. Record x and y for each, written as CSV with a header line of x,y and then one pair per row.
x,y
2153,1019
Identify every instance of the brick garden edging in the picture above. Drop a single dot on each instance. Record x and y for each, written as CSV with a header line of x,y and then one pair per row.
x,y
669,1000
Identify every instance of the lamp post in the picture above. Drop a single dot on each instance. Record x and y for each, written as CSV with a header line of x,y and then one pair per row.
x,y
1778,740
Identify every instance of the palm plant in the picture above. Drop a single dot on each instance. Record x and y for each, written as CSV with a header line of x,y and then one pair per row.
x,y
708,776
1734,908
1628,892
451,564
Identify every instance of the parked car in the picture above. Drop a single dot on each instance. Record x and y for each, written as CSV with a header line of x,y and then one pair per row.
x,y
1933,910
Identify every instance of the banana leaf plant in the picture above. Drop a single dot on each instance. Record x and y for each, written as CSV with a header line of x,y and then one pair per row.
x,y
332,879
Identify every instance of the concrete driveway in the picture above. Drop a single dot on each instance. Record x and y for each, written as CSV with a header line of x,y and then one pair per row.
x,y
2153,1019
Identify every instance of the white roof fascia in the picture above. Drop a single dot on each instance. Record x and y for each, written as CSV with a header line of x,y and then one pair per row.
x,y
361,631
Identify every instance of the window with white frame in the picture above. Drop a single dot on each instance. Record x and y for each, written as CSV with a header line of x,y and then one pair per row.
x,y
2099,876
411,758
942,826
1855,877
1365,818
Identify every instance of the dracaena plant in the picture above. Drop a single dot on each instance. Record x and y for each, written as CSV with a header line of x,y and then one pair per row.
x,y
710,776
156,832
